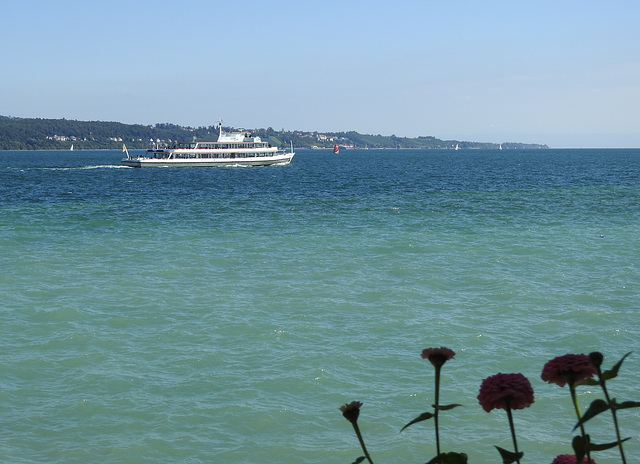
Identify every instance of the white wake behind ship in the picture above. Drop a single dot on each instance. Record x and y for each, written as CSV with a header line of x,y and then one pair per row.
x,y
231,149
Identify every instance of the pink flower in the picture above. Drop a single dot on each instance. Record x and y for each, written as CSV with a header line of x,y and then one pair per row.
x,y
438,356
502,391
570,368
570,459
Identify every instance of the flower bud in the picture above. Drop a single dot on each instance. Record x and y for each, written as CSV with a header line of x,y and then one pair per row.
x,y
351,411
596,358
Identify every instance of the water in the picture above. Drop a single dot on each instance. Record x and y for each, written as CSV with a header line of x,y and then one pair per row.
x,y
223,315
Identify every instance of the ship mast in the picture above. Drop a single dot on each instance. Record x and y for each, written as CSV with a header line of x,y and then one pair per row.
x,y
219,128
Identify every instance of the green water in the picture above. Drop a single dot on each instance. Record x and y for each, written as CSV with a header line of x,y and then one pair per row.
x,y
223,315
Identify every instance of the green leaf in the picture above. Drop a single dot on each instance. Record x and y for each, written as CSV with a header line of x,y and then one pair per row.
x,y
420,418
445,408
455,458
605,446
580,445
597,406
627,405
509,456
449,458
591,382
613,372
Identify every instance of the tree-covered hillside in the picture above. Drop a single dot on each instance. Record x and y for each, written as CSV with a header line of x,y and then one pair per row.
x,y
47,134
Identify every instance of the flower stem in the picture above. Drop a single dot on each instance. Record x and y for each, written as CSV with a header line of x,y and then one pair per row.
x,y
513,431
364,448
436,409
601,381
574,399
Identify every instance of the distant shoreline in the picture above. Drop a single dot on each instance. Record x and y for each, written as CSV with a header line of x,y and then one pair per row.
x,y
61,134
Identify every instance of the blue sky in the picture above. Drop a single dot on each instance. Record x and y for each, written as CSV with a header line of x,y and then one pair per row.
x,y
564,73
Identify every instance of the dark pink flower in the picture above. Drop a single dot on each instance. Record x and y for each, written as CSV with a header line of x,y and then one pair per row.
x,y
502,391
351,411
438,356
569,368
570,459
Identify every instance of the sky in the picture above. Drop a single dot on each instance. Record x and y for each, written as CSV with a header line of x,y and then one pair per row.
x,y
562,73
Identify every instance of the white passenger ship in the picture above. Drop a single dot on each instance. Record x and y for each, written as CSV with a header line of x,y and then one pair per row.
x,y
231,149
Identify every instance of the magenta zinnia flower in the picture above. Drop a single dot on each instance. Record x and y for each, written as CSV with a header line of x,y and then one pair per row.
x,y
570,459
438,356
569,368
502,391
